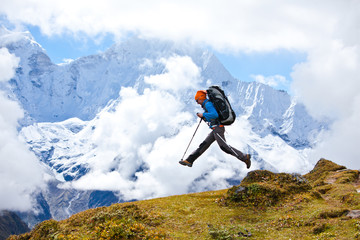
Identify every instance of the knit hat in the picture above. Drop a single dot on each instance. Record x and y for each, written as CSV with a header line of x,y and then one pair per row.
x,y
200,95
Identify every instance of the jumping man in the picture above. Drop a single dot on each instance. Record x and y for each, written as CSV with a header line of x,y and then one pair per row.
x,y
210,115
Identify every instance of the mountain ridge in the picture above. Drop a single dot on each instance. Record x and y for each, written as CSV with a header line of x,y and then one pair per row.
x,y
10,223
75,117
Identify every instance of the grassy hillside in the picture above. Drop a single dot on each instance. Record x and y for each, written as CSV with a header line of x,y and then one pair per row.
x,y
322,204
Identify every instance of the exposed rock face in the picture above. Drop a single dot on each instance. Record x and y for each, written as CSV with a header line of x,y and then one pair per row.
x,y
10,223
354,214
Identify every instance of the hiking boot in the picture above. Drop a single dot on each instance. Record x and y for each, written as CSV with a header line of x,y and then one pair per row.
x,y
247,160
185,163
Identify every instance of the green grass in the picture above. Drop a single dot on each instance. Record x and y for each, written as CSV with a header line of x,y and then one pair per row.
x,y
264,206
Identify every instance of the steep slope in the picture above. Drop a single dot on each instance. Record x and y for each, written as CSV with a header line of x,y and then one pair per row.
x,y
51,93
111,127
82,88
274,112
10,223
295,207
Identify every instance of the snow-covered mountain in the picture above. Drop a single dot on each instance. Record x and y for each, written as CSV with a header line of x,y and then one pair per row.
x,y
111,127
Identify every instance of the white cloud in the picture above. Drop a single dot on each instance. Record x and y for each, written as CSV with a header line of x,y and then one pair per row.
x,y
20,172
159,155
273,81
145,136
228,25
181,73
328,83
8,64
341,144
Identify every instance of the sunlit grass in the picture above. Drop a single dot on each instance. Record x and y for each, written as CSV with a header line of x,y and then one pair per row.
x,y
264,206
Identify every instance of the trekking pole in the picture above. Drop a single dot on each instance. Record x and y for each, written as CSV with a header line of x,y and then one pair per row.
x,y
191,139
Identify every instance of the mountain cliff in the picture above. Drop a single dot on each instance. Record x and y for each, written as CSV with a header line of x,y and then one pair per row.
x,y
10,223
111,127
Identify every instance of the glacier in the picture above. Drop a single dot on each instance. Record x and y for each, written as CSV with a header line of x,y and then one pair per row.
x,y
111,127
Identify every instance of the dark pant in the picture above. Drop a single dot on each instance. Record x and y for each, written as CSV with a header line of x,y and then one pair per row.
x,y
216,134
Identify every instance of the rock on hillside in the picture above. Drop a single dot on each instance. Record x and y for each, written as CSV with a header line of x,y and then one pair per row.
x,y
264,188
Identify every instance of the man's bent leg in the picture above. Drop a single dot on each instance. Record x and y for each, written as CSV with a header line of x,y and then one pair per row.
x,y
220,139
202,148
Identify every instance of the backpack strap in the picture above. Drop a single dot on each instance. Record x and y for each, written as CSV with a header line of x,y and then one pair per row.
x,y
203,105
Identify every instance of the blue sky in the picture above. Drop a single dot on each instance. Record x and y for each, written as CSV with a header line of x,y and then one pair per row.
x,y
69,46
242,66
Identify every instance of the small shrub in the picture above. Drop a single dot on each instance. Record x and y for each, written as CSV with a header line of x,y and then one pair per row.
x,y
347,176
320,228
46,229
326,236
316,194
223,233
324,189
220,234
350,198
334,213
321,170
288,221
264,188
357,227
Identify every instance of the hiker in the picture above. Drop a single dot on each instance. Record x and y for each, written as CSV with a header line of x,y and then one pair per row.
x,y
211,117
